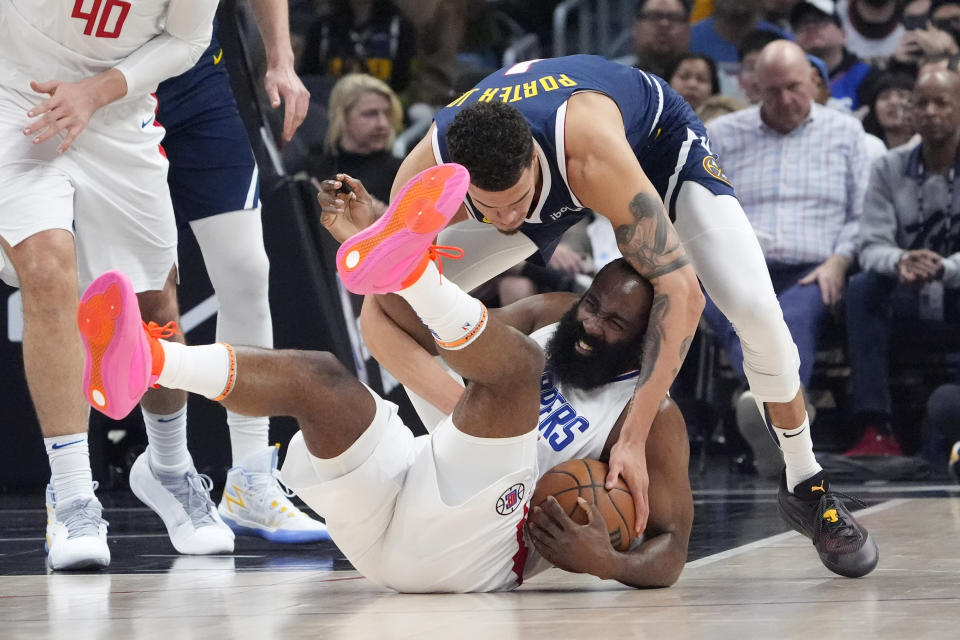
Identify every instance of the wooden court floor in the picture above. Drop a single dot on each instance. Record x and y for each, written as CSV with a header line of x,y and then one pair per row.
x,y
772,587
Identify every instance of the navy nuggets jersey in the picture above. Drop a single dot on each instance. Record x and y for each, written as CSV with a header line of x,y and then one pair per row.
x,y
665,134
212,168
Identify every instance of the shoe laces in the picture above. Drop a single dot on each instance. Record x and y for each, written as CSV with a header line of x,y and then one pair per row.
x,y
192,490
842,529
274,494
81,518
157,331
437,251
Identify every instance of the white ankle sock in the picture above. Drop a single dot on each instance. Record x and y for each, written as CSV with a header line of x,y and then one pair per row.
x,y
206,369
454,317
797,447
70,474
247,436
167,435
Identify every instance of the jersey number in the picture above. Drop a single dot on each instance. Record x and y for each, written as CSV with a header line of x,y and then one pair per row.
x,y
106,16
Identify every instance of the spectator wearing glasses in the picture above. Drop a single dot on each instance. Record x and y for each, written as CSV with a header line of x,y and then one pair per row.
x,y
661,34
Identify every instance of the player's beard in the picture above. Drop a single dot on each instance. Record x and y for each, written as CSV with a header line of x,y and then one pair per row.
x,y
605,362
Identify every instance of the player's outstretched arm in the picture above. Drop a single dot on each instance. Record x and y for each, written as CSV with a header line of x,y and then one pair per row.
x,y
606,176
659,559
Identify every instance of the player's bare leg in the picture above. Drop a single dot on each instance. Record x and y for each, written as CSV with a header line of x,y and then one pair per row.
x,y
53,361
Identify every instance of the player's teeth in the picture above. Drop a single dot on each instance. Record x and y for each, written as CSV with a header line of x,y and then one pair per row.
x,y
584,345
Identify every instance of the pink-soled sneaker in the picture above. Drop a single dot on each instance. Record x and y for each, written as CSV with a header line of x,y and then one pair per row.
x,y
391,253
117,367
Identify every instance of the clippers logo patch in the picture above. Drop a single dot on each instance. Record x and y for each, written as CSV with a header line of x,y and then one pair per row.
x,y
511,499
711,166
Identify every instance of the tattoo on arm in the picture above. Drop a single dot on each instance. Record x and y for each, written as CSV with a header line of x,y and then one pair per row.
x,y
684,347
650,243
653,337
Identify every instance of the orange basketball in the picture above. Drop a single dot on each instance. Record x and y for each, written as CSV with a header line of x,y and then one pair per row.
x,y
583,478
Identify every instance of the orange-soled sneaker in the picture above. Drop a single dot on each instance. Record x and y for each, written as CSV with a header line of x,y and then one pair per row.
x,y
123,356
391,253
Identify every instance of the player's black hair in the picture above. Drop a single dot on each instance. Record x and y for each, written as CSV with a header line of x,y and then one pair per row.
x,y
493,141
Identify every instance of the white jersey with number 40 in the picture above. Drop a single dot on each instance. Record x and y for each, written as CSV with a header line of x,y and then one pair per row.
x,y
69,40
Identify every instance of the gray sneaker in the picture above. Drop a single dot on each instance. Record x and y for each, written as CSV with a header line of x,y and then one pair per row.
x,y
76,534
183,503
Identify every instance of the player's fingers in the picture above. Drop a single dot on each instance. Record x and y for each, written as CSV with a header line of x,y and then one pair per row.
x,y
641,513
72,134
612,474
273,93
590,509
44,87
302,102
354,184
555,512
53,128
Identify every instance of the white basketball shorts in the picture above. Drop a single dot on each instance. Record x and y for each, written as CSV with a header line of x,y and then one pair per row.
x,y
109,189
388,518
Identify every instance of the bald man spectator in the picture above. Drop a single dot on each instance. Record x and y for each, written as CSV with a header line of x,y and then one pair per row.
x,y
800,170
910,255
661,34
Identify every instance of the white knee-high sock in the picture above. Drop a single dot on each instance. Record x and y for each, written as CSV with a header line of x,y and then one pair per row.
x,y
454,317
70,474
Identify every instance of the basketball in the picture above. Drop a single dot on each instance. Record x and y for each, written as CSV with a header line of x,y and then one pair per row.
x,y
583,478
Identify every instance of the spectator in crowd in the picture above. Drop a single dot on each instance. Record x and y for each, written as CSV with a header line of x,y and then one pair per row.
x,y
718,105
873,29
945,15
889,117
921,41
695,78
777,12
365,115
909,255
720,35
361,36
748,51
800,171
817,29
661,34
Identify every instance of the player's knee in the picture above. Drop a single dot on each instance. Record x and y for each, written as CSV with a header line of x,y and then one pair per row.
x,y
755,316
529,363
46,267
320,368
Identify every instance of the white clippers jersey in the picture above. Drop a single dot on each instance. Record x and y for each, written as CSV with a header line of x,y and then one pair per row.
x,y
576,423
69,40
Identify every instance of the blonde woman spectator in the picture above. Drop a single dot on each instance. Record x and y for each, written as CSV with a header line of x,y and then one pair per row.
x,y
365,116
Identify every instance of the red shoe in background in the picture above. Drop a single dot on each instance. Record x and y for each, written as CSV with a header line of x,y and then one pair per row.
x,y
875,443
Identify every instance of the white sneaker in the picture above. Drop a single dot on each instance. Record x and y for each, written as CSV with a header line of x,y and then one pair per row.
x,y
256,503
183,503
76,534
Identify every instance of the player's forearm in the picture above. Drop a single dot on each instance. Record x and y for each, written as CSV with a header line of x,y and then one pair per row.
x,y
674,314
406,360
657,562
107,86
187,33
273,20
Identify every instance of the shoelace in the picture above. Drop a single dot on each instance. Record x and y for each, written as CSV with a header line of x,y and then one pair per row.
x,y
168,330
437,251
842,528
192,490
81,518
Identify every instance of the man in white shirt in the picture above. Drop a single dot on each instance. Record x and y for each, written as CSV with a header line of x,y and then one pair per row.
x,y
83,191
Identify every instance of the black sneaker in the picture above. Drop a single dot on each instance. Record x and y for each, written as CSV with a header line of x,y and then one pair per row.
x,y
845,547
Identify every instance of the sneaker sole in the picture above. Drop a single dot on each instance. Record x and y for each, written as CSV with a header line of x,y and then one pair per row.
x,y
281,536
116,370
384,257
